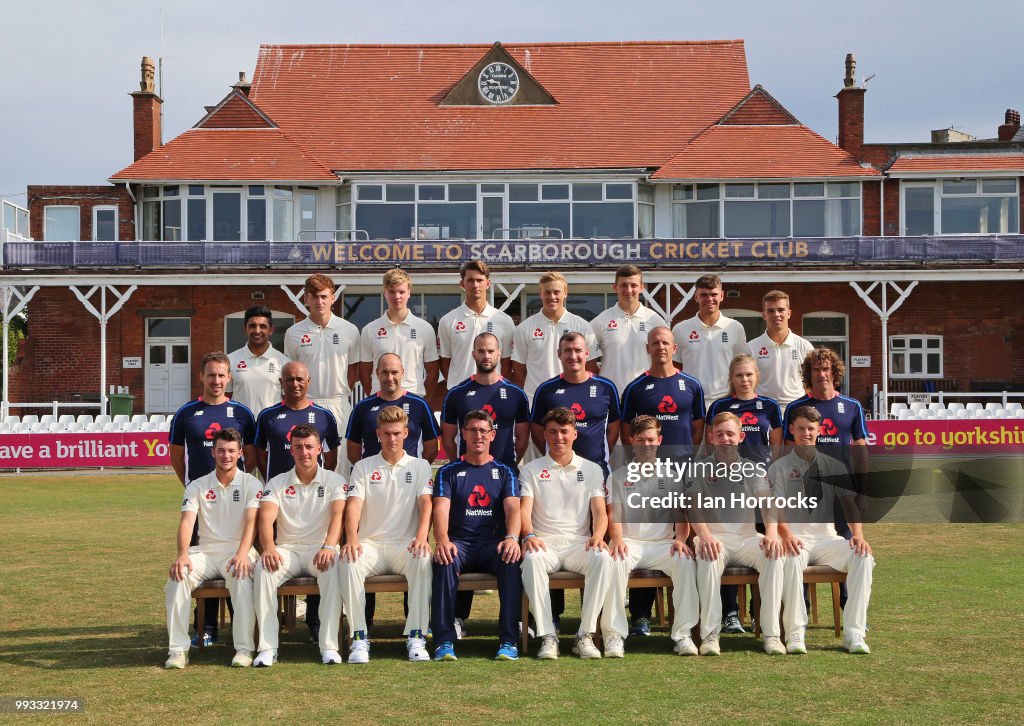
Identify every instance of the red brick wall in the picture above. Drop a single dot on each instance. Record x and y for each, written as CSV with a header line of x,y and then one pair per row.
x,y
85,198
146,123
870,201
851,119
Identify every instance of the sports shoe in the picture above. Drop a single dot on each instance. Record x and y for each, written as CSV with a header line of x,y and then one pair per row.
x,y
614,647
300,608
359,650
242,659
584,646
209,638
416,645
856,644
507,651
640,627
685,646
710,645
773,645
548,647
445,651
732,624
460,629
265,659
795,643
176,658
330,657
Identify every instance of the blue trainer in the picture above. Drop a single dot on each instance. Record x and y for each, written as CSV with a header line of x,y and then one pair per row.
x,y
209,638
507,651
445,651
641,627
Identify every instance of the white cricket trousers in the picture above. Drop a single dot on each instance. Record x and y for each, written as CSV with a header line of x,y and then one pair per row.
x,y
387,559
297,561
742,552
652,555
835,552
341,407
566,553
209,564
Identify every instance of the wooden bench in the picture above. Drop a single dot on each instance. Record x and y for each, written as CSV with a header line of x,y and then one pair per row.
x,y
743,577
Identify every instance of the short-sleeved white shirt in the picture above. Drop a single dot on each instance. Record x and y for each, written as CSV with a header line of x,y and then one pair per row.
x,y
256,379
457,330
643,523
706,351
535,345
561,495
622,342
780,367
327,352
221,509
413,340
786,478
304,509
389,492
727,521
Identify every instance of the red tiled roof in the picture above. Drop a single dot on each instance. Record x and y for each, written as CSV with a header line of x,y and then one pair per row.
x,y
367,108
761,152
229,154
235,112
958,162
758,109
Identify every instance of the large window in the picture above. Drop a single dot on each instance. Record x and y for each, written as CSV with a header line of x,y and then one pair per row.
x,y
516,210
62,223
104,224
830,330
915,356
221,213
960,206
767,209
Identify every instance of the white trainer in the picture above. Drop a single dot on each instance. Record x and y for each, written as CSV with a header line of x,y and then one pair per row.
x,y
359,652
856,644
584,646
330,657
242,659
265,659
710,645
773,645
614,647
460,629
685,646
417,648
795,644
548,647
176,658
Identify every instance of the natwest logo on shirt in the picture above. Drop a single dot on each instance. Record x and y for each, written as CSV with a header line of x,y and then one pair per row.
x,y
763,353
612,325
828,427
694,335
489,410
290,491
748,419
211,495
668,405
460,327
305,339
578,411
545,474
375,476
382,332
241,365
479,497
538,333
209,433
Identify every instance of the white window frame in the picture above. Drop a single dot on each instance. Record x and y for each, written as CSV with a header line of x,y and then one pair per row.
x,y
243,189
905,351
817,340
78,220
740,314
938,196
105,207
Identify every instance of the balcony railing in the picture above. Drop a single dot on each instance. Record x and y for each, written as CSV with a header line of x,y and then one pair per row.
x,y
872,251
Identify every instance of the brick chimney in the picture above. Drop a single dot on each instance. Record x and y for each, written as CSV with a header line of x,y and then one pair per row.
x,y
243,85
1011,125
147,125
851,110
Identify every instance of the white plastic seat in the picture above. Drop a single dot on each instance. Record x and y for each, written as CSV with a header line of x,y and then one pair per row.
x,y
30,419
103,419
906,414
5,427
1001,413
85,419
121,418
48,419
918,406
66,418
111,426
94,427
140,418
936,407
946,413
974,406
963,413
993,406
1014,406
13,420
955,406
894,409
75,427
38,427
157,418
56,427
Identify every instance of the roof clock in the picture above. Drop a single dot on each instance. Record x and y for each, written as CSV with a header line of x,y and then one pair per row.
x,y
498,82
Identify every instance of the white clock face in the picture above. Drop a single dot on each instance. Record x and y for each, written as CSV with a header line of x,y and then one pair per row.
x,y
498,82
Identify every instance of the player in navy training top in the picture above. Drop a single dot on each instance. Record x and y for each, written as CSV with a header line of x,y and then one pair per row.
x,y
362,424
476,527
274,425
487,391
676,399
760,417
592,399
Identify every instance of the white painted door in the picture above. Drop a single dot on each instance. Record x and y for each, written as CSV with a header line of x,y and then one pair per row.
x,y
167,374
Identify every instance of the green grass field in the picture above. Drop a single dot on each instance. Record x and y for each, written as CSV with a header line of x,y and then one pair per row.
x,y
84,559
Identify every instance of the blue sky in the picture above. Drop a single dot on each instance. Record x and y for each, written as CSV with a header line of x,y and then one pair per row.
x,y
68,66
